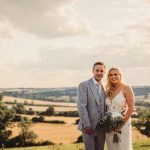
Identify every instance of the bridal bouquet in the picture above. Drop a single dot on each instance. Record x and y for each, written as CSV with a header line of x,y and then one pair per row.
x,y
112,121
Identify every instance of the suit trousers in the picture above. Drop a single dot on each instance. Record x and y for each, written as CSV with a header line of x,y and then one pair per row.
x,y
94,141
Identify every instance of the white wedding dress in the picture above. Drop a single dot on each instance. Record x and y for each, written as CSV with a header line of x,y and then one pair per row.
x,y
117,104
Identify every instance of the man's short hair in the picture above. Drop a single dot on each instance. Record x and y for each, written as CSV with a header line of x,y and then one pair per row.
x,y
99,63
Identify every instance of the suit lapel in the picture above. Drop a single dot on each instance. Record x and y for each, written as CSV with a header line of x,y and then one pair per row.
x,y
94,91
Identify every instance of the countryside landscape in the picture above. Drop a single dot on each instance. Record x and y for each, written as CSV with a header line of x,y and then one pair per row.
x,y
51,116
48,47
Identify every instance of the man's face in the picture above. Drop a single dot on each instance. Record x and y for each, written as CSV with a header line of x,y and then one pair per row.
x,y
98,72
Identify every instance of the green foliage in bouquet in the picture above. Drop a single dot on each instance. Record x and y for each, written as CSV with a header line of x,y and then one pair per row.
x,y
112,121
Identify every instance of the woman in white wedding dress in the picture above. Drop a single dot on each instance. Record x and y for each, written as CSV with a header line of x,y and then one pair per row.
x,y
119,97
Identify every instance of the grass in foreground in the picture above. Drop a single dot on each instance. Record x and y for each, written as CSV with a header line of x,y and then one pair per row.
x,y
137,145
141,144
55,147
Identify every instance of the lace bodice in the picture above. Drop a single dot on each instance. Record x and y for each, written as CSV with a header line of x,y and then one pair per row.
x,y
117,104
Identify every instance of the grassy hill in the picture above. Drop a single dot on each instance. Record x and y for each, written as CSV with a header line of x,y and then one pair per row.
x,y
137,145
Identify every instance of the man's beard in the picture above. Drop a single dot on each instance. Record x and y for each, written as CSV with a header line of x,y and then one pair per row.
x,y
97,79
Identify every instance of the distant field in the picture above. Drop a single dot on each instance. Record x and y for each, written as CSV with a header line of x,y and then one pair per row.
x,y
57,133
21,100
58,106
43,108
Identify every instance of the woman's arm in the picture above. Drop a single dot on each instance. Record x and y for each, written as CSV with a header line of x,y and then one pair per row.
x,y
129,95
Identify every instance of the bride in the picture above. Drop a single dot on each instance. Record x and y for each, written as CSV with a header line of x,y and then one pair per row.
x,y
119,97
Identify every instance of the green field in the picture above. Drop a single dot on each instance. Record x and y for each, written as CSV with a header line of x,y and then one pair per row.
x,y
141,144
137,145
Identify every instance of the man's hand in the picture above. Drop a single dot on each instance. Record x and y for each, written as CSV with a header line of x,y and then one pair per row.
x,y
88,130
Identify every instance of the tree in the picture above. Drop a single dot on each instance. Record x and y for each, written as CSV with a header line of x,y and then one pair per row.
x,y
38,119
147,128
25,102
31,111
6,116
19,108
15,101
49,111
1,97
26,135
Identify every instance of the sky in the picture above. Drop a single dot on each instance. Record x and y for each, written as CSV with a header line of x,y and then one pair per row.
x,y
54,43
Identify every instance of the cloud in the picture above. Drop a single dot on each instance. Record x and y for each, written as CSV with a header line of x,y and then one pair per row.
x,y
129,49
46,18
6,32
27,60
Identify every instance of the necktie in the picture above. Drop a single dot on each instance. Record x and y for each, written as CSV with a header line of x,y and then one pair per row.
x,y
99,88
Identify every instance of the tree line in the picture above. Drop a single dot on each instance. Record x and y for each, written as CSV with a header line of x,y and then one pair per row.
x,y
143,121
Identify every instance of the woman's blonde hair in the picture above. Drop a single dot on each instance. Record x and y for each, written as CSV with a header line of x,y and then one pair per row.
x,y
109,86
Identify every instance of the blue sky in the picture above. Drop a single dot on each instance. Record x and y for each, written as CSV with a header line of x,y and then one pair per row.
x,y
54,43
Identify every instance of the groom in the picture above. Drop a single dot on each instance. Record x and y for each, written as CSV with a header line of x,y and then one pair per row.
x,y
91,108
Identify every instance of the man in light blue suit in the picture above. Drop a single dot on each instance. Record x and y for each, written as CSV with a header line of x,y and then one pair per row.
x,y
91,108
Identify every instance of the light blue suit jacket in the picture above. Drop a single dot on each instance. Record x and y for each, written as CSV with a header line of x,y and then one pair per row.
x,y
89,104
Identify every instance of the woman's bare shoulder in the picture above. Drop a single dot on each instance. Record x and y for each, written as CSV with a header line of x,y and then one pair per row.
x,y
126,88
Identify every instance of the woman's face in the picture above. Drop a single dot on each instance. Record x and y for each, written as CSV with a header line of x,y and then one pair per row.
x,y
114,77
